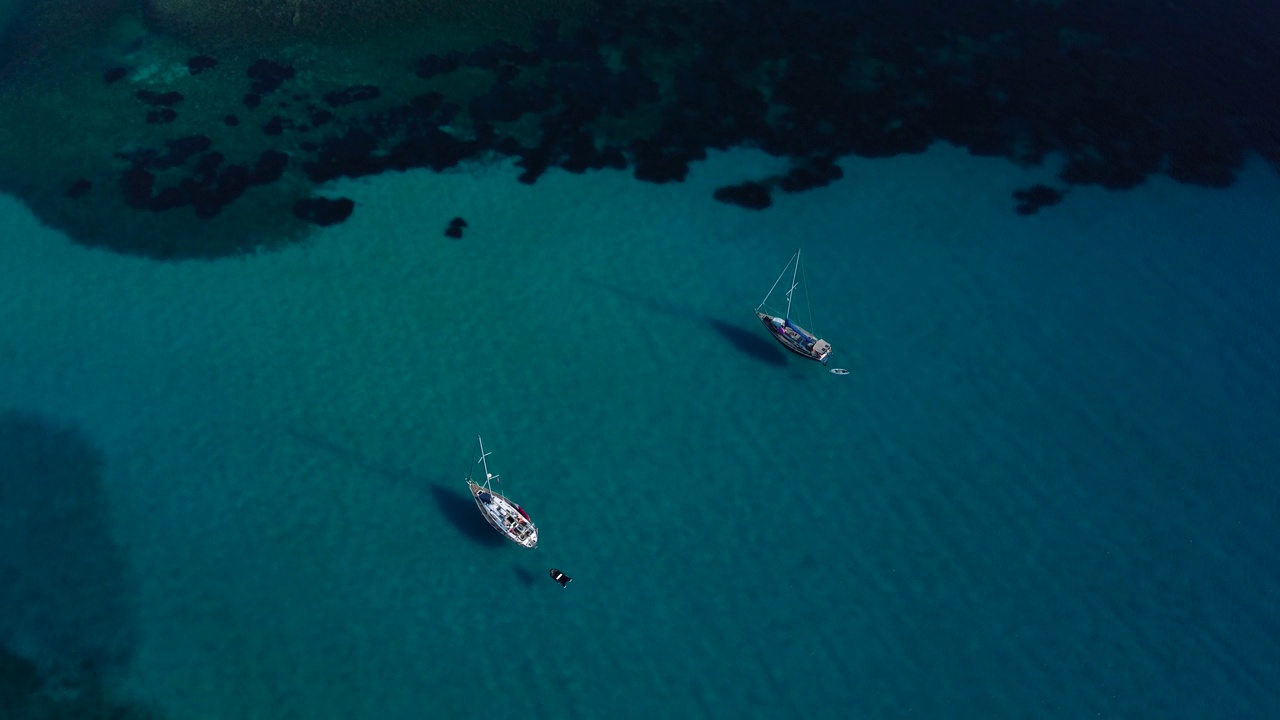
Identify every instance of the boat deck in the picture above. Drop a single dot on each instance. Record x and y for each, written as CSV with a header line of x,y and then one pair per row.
x,y
505,516
818,349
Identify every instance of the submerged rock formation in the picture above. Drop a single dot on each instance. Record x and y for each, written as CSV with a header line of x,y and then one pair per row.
x,y
648,86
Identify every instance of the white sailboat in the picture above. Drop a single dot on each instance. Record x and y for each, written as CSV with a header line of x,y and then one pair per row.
x,y
793,337
505,515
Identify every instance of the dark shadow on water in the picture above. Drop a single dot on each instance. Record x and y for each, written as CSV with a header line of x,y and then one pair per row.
x,y
455,502
66,588
524,576
752,344
461,511
648,302
353,458
749,343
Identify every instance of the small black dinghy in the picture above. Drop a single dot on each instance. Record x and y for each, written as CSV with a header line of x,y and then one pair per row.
x,y
561,578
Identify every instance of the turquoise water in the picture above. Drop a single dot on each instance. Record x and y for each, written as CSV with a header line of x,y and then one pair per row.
x,y
1046,488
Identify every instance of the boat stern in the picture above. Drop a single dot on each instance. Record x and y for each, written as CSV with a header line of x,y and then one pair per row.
x,y
822,351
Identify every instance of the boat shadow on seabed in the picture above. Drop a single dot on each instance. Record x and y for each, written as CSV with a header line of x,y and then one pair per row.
x,y
745,338
460,511
455,505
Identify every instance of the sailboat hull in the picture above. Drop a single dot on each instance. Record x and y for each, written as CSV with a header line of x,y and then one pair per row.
x,y
820,350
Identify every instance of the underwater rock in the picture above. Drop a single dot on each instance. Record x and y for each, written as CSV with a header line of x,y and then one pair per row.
x,y
355,93
811,173
268,76
507,145
350,154
207,166
497,53
274,126
429,66
1031,199
585,90
505,73
324,211
1209,159
634,89
269,167
137,183
507,103
180,149
321,117
535,162
456,226
200,63
1041,195
655,86
660,160
750,195
431,148
447,113
164,116
154,98
79,188
580,153
213,189
169,198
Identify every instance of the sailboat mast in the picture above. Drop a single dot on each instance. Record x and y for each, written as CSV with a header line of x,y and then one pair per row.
x,y
483,455
793,284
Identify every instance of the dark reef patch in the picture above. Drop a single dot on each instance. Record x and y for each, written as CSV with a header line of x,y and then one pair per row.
x,y
750,195
353,94
67,590
274,126
324,211
200,63
652,87
456,226
810,173
268,76
163,116
79,188
115,74
154,98
1031,199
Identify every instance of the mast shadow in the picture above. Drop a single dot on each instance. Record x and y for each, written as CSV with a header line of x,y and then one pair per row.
x,y
351,457
455,505
745,341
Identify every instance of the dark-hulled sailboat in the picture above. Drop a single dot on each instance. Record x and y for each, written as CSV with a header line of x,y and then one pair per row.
x,y
793,337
